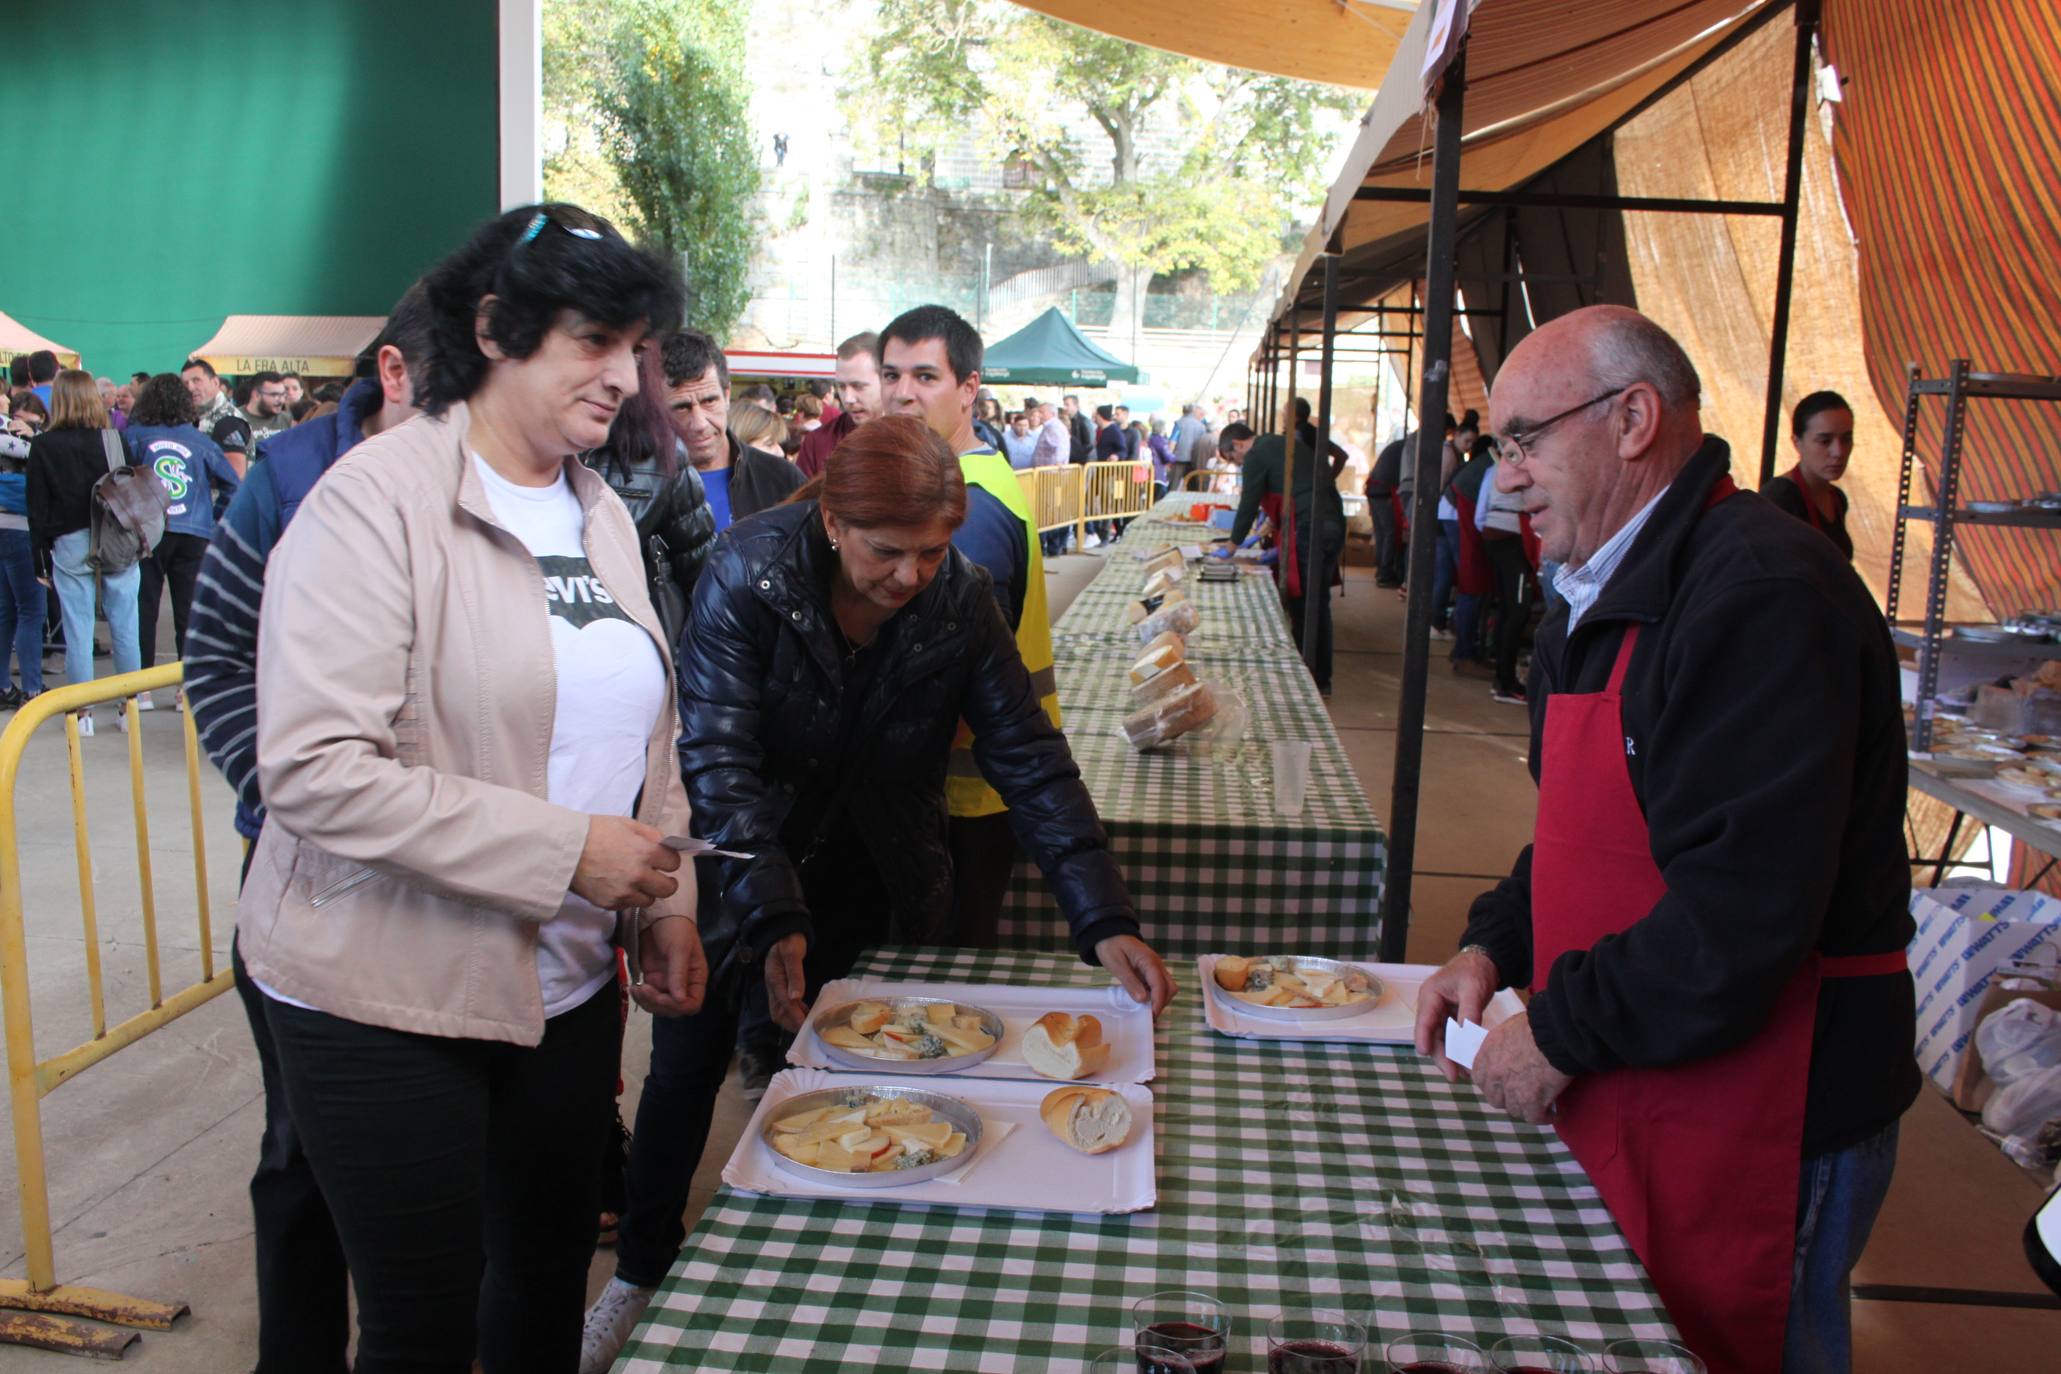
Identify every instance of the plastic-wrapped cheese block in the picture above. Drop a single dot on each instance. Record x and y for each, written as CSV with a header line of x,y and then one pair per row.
x,y
1179,616
1158,601
1163,581
1160,655
1187,708
1163,684
1168,557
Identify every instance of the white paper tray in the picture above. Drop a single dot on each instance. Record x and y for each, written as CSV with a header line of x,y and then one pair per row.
x,y
1022,1166
1126,1026
1391,1021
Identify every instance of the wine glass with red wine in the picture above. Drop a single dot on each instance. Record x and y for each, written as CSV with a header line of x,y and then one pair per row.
x,y
1428,1352
1314,1340
1539,1355
1194,1326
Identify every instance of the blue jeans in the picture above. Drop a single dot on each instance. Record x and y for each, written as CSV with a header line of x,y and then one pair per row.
x,y
75,596
22,607
1839,1195
1445,567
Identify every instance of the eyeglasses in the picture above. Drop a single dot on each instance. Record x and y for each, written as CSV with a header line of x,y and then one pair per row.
x,y
1515,448
543,218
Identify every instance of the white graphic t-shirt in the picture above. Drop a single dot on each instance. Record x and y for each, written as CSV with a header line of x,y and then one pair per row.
x,y
611,687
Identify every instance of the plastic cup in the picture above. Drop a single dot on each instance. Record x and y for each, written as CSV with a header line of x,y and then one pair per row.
x,y
1428,1352
1315,1340
1651,1357
1125,1359
1539,1355
1291,775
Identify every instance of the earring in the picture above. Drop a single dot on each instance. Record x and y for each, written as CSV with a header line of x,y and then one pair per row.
x,y
833,546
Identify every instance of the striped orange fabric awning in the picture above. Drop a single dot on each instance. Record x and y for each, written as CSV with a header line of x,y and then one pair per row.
x,y
1948,146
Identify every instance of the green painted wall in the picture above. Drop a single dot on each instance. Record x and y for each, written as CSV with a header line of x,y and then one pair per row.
x,y
177,161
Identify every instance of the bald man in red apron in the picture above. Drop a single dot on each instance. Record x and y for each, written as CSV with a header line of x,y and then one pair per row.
x,y
1713,910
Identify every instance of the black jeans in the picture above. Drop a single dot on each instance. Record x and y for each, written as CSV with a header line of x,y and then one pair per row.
x,y
1506,556
304,1319
1388,546
983,857
465,1179
1320,666
175,560
690,1056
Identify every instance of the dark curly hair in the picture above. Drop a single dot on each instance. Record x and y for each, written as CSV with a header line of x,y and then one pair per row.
x,y
535,261
163,401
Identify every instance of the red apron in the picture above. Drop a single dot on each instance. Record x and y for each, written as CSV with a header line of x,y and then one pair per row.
x,y
1698,1162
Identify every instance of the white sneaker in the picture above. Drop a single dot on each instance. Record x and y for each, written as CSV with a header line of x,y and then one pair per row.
x,y
85,724
121,721
610,1321
144,703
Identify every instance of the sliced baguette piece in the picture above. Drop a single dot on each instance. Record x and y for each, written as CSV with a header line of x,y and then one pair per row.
x,y
1091,1120
1065,1047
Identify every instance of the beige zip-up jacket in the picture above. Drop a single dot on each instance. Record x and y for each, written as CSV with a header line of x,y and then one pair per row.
x,y
406,694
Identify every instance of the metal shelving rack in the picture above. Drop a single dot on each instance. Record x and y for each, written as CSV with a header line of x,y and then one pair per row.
x,y
1928,636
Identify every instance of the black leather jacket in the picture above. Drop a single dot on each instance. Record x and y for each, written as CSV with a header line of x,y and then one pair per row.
x,y
772,751
673,508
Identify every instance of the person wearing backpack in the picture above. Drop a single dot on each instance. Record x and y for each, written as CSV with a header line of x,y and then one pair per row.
x,y
198,479
67,462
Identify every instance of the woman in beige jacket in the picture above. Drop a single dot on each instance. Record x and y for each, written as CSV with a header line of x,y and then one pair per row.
x,y
465,743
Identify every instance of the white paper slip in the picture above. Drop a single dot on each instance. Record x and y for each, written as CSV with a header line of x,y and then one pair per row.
x,y
1390,1021
695,849
1191,551
1463,1041
1021,1165
1126,1026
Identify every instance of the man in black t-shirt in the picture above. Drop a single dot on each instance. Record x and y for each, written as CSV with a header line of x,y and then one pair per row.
x,y
216,413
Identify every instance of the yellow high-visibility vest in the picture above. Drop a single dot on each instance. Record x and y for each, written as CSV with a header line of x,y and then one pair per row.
x,y
966,791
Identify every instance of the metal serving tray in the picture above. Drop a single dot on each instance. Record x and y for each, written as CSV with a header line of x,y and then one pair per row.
x,y
1297,963
951,1109
837,1016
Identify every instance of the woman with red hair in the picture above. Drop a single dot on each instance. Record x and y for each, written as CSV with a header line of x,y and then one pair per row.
x,y
834,645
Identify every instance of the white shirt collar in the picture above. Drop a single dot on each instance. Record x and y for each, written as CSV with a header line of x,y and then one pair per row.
x,y
1581,587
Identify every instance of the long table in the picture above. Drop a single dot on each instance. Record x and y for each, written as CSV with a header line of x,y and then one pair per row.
x,y
1210,862
1289,1174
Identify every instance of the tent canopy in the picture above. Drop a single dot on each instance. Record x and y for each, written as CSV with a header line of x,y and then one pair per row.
x,y
1542,80
312,345
1049,351
17,338
1340,42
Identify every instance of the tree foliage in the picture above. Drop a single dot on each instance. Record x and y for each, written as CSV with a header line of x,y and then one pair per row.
x,y
645,103
1250,146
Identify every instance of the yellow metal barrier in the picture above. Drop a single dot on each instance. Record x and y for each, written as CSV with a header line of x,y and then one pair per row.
x,y
31,1080
1115,490
1054,494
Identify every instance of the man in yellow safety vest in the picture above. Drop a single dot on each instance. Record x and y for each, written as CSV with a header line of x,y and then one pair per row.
x,y
930,362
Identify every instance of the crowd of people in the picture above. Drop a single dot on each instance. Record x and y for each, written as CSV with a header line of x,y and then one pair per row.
x,y
534,596
471,641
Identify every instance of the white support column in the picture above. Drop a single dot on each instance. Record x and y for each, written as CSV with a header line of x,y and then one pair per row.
x,y
522,102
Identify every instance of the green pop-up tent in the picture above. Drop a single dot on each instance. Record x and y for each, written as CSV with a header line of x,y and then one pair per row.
x,y
1050,351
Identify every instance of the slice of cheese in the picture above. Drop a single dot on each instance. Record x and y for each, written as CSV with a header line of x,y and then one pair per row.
x,y
845,1038
835,1157
929,1133
941,1013
801,1121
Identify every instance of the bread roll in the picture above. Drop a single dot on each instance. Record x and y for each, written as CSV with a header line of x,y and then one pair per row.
x,y
1092,1120
1062,1046
1232,971
1184,709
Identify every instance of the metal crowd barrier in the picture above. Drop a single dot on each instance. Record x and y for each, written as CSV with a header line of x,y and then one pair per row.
x,y
1072,494
31,1080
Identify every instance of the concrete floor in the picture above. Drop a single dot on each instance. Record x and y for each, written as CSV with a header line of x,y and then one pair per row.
x,y
150,1151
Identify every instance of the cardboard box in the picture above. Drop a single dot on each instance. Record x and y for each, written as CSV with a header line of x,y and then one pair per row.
x,y
1965,935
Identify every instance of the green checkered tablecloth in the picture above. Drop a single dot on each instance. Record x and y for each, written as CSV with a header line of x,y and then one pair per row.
x,y
1210,862
1289,1174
